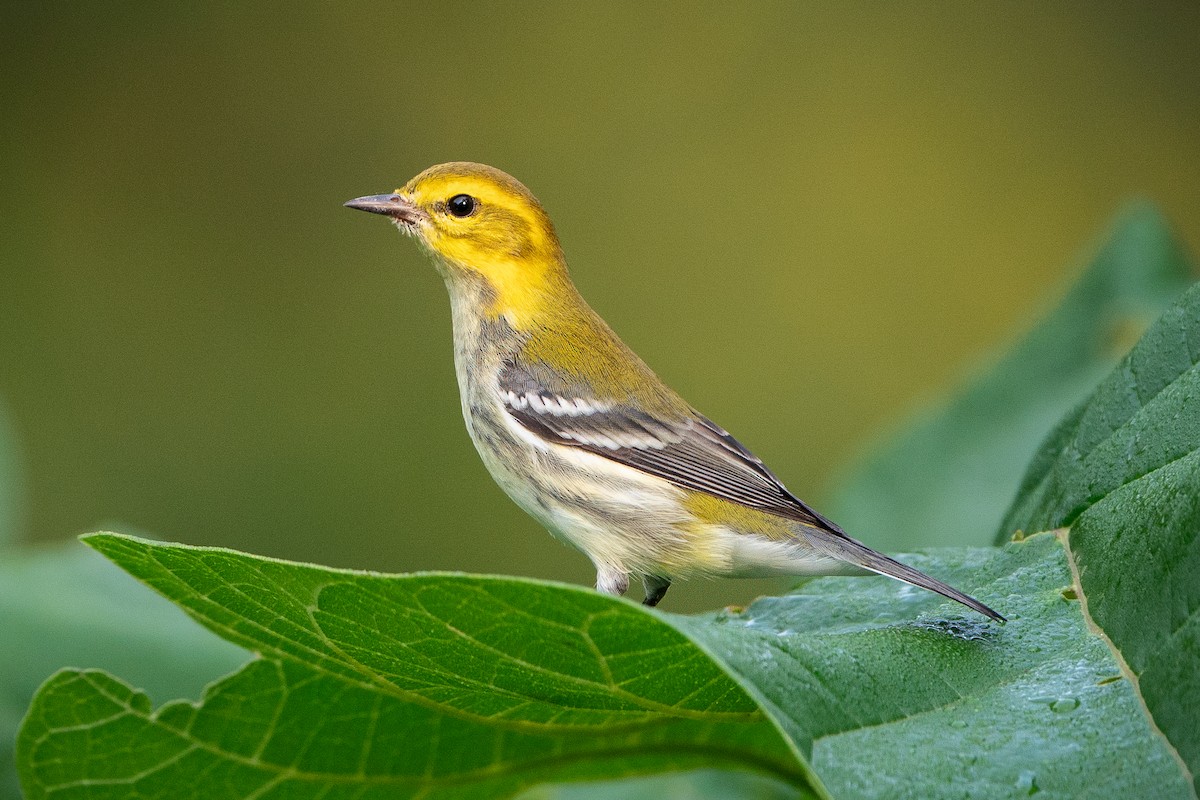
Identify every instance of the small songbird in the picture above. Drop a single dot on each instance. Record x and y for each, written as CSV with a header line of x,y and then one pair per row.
x,y
580,432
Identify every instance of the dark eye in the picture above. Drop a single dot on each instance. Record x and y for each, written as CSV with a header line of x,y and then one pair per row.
x,y
461,205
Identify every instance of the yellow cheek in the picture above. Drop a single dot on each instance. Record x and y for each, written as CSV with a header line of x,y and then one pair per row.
x,y
460,251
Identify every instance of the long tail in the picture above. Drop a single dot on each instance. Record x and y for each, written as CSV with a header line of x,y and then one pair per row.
x,y
847,549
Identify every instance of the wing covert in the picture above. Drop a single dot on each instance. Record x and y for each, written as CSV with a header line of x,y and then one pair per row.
x,y
690,452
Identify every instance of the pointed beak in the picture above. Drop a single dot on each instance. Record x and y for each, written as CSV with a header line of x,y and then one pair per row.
x,y
396,206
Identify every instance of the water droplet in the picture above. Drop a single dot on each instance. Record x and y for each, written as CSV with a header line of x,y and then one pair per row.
x,y
1064,705
1027,783
958,723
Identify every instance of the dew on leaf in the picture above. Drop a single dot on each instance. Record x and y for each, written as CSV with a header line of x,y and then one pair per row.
x,y
1064,705
1027,783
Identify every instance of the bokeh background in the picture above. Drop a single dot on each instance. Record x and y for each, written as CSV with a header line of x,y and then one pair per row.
x,y
811,220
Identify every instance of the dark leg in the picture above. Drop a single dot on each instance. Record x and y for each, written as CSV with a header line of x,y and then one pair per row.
x,y
656,588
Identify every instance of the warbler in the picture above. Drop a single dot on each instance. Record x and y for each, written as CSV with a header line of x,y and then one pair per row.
x,y
580,432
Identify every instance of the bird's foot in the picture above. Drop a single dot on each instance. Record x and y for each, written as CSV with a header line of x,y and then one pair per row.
x,y
656,588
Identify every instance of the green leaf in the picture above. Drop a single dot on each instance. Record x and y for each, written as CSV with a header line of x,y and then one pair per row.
x,y
451,685
1138,555
1124,472
949,476
67,605
893,696
701,785
1144,415
443,685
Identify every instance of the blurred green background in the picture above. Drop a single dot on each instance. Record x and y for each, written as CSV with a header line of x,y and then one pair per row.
x,y
810,220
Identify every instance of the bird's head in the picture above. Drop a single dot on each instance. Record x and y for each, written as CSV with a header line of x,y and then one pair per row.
x,y
478,221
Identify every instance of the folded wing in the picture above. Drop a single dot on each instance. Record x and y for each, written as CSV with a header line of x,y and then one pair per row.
x,y
690,451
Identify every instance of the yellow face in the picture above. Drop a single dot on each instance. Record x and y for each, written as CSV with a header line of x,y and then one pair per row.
x,y
480,218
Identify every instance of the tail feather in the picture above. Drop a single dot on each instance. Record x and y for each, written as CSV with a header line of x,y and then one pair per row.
x,y
848,549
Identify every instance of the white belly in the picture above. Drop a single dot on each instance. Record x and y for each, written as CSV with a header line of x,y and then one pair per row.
x,y
622,519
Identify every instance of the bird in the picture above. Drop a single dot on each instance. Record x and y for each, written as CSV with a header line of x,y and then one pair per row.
x,y
580,432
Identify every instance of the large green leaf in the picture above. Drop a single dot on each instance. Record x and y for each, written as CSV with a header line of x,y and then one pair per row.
x,y
948,477
66,605
450,685
373,686
894,698
1124,471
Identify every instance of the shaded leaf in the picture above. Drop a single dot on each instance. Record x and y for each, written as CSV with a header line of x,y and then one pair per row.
x,y
947,478
66,605
1144,415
